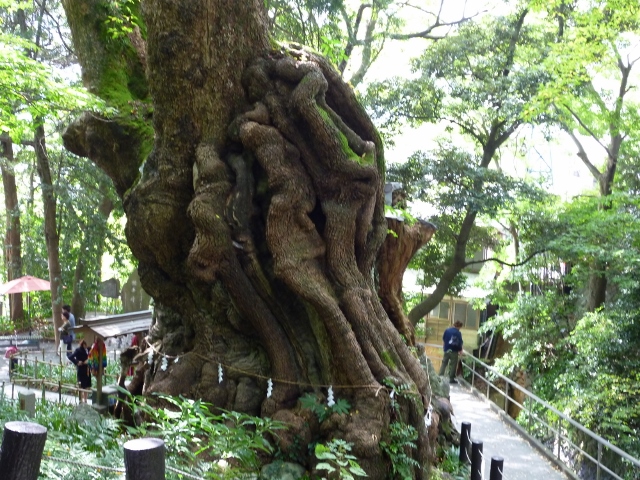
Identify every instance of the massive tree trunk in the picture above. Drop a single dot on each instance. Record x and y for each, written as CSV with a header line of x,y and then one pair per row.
x,y
256,223
13,241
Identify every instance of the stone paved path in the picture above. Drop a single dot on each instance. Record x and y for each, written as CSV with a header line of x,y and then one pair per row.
x,y
521,460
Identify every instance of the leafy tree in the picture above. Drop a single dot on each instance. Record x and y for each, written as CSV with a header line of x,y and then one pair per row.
x,y
37,98
591,66
584,364
479,81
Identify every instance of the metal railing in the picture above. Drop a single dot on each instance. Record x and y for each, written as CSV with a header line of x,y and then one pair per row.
x,y
581,452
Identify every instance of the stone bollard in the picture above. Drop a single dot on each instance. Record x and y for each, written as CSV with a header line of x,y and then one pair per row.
x,y
27,402
144,459
21,452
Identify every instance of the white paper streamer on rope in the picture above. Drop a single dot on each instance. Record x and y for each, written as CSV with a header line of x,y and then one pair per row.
x,y
220,373
165,364
330,401
269,388
150,357
427,416
176,360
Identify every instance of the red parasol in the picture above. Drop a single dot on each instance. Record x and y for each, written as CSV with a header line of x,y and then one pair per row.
x,y
24,284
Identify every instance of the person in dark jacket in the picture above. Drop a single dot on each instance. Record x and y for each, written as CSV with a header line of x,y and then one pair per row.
x,y
452,345
79,358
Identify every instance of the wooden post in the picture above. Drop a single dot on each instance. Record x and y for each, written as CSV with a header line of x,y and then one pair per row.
x,y
144,459
476,460
465,442
506,397
21,452
99,378
497,465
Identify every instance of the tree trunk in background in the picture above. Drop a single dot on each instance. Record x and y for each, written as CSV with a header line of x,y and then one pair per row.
x,y
395,255
79,301
458,262
256,223
499,134
13,241
51,234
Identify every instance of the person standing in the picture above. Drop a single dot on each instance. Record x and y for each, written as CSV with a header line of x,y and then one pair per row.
x,y
65,332
72,321
452,345
97,364
80,358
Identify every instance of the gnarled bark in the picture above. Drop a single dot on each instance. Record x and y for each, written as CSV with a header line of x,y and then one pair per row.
x,y
395,255
256,223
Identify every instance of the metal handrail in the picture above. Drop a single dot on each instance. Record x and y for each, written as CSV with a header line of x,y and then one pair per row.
x,y
594,436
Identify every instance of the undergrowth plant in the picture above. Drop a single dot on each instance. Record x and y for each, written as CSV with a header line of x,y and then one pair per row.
x,y
402,439
336,459
209,442
450,463
312,402
82,445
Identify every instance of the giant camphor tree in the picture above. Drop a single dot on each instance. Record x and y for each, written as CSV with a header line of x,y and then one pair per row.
x,y
255,209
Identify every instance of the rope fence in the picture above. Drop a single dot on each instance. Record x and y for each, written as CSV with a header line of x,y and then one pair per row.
x,y
144,458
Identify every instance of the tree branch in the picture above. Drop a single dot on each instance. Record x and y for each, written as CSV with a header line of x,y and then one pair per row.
x,y
513,42
352,33
507,264
426,33
583,125
582,154
5,137
57,24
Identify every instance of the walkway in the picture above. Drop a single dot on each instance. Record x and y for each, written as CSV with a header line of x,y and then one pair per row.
x,y
521,460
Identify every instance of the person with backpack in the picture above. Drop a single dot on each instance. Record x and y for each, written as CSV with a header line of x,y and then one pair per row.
x,y
452,344
65,335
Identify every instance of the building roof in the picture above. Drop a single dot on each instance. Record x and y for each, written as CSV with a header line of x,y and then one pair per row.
x,y
107,326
